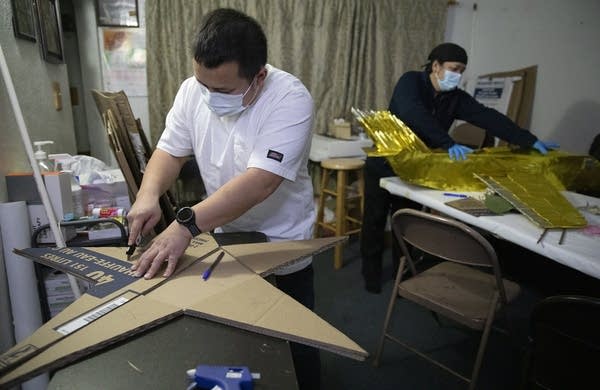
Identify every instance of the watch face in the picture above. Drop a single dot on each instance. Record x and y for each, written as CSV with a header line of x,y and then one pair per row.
x,y
185,214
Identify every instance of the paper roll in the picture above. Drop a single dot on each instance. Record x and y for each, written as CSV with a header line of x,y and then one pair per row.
x,y
22,283
7,335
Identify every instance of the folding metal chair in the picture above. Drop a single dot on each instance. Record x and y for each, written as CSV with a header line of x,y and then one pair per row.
x,y
564,347
455,287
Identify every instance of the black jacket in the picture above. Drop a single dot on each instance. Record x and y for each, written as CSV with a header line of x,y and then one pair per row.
x,y
430,115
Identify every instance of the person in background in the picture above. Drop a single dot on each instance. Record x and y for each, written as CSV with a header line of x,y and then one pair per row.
x,y
248,125
428,102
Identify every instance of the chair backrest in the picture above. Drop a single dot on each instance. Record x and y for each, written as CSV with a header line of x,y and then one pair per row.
x,y
444,238
566,342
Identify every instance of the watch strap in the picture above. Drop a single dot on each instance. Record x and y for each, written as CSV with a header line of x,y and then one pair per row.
x,y
193,228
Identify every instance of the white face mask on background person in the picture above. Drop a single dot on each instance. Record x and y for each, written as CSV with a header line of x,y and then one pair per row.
x,y
224,104
450,80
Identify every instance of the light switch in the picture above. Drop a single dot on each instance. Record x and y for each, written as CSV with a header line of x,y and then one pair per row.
x,y
57,95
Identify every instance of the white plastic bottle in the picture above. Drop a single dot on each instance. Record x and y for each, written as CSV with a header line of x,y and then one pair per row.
x,y
60,161
42,157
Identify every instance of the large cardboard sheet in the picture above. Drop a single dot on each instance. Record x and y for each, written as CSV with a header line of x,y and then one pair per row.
x,y
120,305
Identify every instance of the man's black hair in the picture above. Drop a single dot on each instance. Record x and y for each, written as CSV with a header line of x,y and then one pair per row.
x,y
446,52
227,35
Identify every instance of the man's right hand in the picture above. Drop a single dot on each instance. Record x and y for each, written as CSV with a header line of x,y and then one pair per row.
x,y
143,216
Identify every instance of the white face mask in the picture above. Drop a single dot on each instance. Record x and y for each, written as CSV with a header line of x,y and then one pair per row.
x,y
450,80
224,104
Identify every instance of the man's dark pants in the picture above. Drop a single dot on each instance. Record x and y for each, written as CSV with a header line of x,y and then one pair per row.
x,y
379,204
307,361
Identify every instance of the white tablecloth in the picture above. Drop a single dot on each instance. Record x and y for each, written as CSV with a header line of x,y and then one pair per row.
x,y
323,147
578,250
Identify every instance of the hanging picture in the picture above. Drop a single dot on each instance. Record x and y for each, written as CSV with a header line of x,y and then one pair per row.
x,y
50,31
117,13
23,20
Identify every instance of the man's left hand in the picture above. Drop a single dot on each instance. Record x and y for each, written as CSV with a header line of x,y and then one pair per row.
x,y
168,247
459,152
544,146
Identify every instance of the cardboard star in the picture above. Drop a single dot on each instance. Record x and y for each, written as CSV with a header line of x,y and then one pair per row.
x,y
119,305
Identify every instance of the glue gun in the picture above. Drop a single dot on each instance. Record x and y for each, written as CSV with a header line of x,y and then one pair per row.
x,y
223,377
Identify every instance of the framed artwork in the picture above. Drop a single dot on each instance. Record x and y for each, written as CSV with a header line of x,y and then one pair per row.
x,y
117,13
23,19
50,31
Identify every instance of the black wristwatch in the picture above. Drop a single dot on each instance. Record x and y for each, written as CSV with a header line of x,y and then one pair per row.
x,y
187,218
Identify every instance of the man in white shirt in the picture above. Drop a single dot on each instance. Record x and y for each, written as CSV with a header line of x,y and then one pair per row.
x,y
248,125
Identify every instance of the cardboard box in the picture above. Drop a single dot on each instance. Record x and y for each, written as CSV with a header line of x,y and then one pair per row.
x,y
60,299
57,283
236,295
113,194
22,187
340,130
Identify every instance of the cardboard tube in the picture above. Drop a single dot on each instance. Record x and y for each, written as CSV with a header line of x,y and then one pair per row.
x,y
22,283
7,336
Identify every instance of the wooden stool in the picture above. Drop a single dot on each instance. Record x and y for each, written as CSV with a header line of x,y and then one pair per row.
x,y
344,223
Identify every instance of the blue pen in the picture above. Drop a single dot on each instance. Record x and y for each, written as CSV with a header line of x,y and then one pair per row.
x,y
212,267
455,195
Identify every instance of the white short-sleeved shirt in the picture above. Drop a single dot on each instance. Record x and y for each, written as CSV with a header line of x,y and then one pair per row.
x,y
272,134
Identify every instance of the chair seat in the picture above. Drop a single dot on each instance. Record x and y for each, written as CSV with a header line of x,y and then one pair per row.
x,y
456,291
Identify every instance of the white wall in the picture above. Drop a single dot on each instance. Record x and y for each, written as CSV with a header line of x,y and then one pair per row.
x,y
90,61
560,37
32,78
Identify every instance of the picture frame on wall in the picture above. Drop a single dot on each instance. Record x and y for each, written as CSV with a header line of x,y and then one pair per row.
x,y
23,19
50,31
117,13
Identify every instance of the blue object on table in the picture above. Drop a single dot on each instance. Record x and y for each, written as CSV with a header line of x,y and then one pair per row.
x,y
212,267
226,377
455,195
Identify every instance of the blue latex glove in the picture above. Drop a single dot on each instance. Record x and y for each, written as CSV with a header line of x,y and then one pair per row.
x,y
459,152
543,146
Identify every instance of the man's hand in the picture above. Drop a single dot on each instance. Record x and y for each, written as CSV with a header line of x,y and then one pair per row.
x,y
544,146
168,247
459,152
143,216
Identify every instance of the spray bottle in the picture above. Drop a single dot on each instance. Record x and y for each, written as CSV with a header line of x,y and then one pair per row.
x,y
42,157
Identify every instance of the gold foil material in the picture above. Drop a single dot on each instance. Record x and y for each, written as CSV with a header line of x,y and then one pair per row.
x,y
415,163
550,211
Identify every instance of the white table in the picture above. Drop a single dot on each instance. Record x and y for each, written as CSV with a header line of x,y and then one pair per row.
x,y
578,250
323,147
